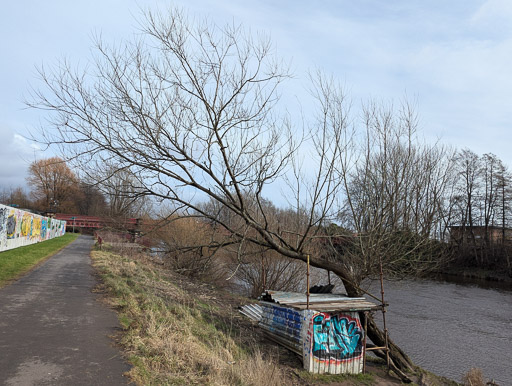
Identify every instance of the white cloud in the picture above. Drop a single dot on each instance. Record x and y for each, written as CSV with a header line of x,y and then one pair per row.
x,y
492,11
16,155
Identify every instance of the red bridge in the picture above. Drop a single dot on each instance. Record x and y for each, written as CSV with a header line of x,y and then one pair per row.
x,y
75,221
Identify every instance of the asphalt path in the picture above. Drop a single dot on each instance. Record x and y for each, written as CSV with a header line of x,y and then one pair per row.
x,y
53,328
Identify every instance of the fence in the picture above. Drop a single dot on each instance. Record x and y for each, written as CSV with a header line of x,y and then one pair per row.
x,y
19,228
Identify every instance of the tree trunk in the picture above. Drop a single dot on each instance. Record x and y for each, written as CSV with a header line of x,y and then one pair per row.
x,y
378,337
399,362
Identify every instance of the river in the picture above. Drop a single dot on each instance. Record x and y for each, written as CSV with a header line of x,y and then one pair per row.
x,y
448,328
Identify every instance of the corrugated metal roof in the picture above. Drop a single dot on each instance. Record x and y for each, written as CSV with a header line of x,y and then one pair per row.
x,y
319,302
252,311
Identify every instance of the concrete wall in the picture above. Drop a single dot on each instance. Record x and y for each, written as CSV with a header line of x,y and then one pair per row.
x,y
19,228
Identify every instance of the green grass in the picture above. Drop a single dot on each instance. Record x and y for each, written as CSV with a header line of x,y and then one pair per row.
x,y
18,261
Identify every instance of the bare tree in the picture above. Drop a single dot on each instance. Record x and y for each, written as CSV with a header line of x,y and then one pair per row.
x,y
125,197
394,190
89,200
189,247
259,269
15,196
489,174
188,110
504,193
503,197
256,266
482,202
468,168
395,187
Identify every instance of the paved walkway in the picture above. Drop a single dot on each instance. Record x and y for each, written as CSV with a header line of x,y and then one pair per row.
x,y
53,329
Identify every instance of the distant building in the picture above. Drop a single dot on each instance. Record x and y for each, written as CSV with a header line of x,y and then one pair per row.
x,y
464,234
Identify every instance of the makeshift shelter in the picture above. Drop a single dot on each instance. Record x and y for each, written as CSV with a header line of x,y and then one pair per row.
x,y
325,330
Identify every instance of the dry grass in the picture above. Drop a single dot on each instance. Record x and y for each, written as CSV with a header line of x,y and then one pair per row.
x,y
474,377
178,331
173,337
119,244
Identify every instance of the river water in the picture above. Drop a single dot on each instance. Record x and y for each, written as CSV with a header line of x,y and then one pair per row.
x,y
448,328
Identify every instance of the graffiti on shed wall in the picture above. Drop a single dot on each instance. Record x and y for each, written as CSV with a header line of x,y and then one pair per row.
x,y
336,336
333,342
19,228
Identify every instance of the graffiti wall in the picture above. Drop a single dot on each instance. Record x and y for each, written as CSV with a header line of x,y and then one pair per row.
x,y
284,322
19,228
333,342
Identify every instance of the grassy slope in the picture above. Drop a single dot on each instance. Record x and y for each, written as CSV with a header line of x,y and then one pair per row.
x,y
180,332
172,336
16,262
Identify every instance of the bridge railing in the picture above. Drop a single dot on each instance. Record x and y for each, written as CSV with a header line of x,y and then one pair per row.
x,y
95,222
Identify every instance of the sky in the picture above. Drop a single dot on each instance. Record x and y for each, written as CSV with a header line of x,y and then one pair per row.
x,y
452,58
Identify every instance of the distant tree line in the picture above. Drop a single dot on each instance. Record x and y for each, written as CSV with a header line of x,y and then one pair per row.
x,y
55,188
479,211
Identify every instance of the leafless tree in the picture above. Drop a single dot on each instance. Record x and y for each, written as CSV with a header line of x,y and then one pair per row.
x,y
15,196
188,111
257,269
481,203
394,191
125,196
256,266
489,174
188,246
503,197
89,200
468,168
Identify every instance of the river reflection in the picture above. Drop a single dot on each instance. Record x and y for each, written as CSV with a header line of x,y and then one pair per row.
x,y
448,328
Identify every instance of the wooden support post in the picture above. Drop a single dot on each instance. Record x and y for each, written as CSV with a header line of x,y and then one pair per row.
x,y
307,284
264,274
364,342
386,334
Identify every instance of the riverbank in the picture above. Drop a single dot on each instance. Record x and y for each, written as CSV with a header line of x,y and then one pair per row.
x,y
477,275
179,331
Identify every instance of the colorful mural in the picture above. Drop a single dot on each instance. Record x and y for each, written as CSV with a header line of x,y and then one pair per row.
x,y
333,342
336,337
19,228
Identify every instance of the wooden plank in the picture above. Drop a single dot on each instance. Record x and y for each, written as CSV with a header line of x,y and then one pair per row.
x,y
341,304
339,307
